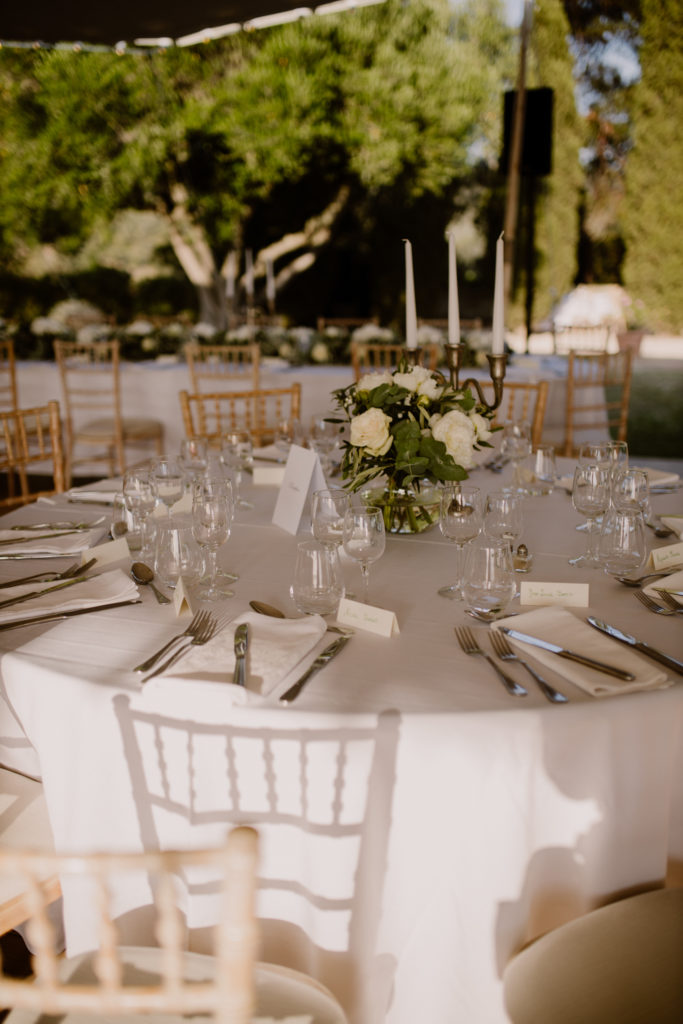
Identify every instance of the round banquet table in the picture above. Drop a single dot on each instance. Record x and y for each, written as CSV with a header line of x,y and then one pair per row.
x,y
489,818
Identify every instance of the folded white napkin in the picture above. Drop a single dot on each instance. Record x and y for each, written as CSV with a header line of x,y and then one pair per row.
x,y
276,646
672,582
27,542
559,626
107,588
100,491
269,453
675,522
659,477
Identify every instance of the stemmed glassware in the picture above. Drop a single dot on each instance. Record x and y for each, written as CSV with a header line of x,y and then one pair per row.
x,y
364,539
590,497
139,499
460,522
167,481
193,458
211,521
237,452
328,509
503,517
287,433
631,489
516,445
324,439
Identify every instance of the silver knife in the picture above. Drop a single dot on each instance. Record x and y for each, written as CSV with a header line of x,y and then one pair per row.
x,y
319,663
40,536
638,645
55,616
11,601
241,644
600,666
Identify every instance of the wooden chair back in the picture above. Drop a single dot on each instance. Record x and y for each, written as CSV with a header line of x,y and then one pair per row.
x,y
598,394
31,446
373,357
522,400
8,376
581,337
91,385
258,411
347,322
112,981
212,366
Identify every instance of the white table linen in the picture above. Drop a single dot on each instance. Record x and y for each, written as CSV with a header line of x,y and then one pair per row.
x,y
497,818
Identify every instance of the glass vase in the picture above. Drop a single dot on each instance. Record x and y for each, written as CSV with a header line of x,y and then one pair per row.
x,y
406,509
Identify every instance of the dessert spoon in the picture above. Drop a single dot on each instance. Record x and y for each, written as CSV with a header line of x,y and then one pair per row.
x,y
143,575
268,609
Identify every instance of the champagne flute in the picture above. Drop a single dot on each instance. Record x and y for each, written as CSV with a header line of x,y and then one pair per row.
x,y
237,452
211,520
139,499
167,480
364,539
590,497
516,445
193,458
460,522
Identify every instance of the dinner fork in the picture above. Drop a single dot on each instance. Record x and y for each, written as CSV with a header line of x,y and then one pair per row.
x,y
197,623
502,648
653,606
202,635
47,577
469,645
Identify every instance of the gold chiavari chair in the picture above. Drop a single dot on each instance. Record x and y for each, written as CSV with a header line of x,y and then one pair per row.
x,y
371,357
522,400
598,393
8,375
91,385
31,443
214,367
259,411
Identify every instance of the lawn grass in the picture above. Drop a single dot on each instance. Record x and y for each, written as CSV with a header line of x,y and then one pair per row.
x,y
655,421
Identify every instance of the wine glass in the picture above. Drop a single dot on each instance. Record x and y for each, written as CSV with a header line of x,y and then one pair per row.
x,y
167,481
237,452
631,489
324,439
460,522
489,585
139,499
211,520
193,458
622,547
503,516
328,508
288,432
364,539
516,445
590,497
596,453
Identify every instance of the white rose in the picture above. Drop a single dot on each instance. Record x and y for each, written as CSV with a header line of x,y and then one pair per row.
x,y
430,387
370,381
482,427
412,379
456,430
370,430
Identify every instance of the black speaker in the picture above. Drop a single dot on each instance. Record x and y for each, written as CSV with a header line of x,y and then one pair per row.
x,y
537,142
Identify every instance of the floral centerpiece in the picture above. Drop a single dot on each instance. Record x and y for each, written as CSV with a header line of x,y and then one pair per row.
x,y
408,432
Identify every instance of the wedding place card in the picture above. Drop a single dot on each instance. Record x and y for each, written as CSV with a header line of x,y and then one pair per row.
x,y
181,598
110,551
570,595
269,475
367,617
664,558
303,475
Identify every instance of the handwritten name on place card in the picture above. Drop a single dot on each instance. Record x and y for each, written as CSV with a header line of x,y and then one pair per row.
x,y
571,595
662,558
367,617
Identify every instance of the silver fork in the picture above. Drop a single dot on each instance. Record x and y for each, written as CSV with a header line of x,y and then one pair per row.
x,y
652,606
197,622
505,653
470,646
201,636
46,577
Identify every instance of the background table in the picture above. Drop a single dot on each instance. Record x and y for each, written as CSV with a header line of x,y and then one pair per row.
x,y
500,817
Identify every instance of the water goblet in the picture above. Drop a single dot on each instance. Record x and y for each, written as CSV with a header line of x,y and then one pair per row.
x,y
622,546
167,481
364,539
503,516
328,508
318,583
237,452
489,585
211,521
193,458
516,445
590,497
460,522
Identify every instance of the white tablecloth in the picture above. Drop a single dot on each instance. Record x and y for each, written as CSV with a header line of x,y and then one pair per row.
x,y
493,817
153,387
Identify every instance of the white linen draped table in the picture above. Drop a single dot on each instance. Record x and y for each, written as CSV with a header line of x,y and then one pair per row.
x,y
154,387
497,818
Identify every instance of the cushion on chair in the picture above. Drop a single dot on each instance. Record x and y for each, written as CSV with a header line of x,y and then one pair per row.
x,y
621,964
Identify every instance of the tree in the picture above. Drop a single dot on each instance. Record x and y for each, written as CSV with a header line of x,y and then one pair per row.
x,y
653,215
349,105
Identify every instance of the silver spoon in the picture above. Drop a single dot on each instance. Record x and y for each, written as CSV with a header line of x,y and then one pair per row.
x,y
268,609
636,581
142,574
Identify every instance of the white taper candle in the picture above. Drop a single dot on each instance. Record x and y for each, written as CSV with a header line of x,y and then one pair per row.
x,y
411,311
498,340
453,304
